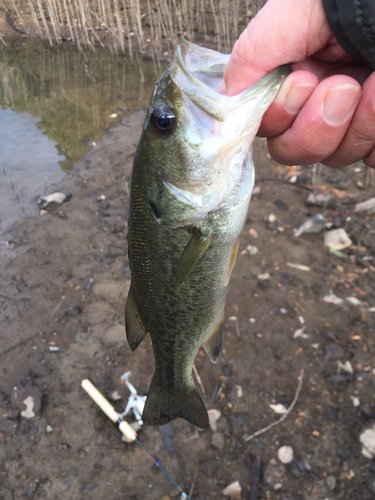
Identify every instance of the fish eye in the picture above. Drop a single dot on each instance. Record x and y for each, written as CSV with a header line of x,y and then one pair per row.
x,y
163,120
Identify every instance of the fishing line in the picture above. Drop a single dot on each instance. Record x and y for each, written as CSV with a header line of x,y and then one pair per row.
x,y
124,427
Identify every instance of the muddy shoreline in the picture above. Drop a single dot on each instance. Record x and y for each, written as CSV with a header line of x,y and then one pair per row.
x,y
64,282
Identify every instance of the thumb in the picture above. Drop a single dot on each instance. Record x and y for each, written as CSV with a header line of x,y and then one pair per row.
x,y
283,31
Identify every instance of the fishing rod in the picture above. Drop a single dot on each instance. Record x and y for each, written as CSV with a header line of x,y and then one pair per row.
x,y
124,427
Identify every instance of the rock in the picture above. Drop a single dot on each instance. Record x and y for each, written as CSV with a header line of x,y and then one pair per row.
x,y
81,337
321,199
252,249
263,276
213,417
115,396
313,225
354,301
280,204
337,239
285,454
233,490
218,440
52,201
9,425
209,467
332,299
333,351
28,397
367,439
31,489
366,411
345,366
278,408
365,206
331,482
275,474
238,419
87,283
49,429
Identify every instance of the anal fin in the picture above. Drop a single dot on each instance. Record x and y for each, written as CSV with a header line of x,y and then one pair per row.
x,y
192,253
135,329
214,344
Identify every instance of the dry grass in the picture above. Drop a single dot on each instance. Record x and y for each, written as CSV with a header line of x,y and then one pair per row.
x,y
145,25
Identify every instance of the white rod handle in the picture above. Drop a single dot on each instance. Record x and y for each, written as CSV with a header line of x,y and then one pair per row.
x,y
100,400
108,409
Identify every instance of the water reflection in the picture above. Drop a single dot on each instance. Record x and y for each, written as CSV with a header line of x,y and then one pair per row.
x,y
28,164
69,97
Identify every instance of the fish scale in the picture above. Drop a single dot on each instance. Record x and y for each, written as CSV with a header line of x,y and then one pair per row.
x,y
183,239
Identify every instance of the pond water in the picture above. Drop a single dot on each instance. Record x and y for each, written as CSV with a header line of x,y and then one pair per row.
x,y
55,103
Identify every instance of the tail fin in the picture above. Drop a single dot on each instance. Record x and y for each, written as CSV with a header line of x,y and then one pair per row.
x,y
161,407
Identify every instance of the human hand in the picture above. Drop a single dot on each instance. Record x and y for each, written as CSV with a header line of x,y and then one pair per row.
x,y
325,109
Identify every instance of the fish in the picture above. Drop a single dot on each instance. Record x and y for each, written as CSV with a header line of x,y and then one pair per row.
x,y
192,180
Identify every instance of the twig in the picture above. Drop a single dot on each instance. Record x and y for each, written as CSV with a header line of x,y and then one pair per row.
x,y
55,309
220,390
19,343
265,429
254,487
237,323
12,25
199,380
194,481
367,178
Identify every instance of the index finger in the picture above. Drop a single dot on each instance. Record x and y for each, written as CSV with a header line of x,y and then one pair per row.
x,y
283,31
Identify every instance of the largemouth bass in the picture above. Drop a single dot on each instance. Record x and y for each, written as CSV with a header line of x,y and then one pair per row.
x,y
191,186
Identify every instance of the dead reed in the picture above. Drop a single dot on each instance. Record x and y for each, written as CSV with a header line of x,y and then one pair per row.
x,y
147,25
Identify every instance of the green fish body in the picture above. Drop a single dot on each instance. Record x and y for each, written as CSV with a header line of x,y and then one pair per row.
x,y
191,187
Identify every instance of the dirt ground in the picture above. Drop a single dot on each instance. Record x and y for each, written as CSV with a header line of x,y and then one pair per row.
x,y
64,282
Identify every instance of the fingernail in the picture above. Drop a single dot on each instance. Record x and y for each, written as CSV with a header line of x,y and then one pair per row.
x,y
294,96
297,96
339,102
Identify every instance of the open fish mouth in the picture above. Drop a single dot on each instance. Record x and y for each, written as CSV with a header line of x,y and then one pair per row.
x,y
198,71
217,130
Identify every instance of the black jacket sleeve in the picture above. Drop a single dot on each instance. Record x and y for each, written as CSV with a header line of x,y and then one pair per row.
x,y
353,24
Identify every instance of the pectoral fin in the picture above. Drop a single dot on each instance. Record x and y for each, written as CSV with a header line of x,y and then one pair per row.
x,y
192,253
135,329
214,344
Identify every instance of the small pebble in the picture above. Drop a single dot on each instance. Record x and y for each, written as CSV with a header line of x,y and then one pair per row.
x,y
356,401
331,482
213,417
337,239
285,454
31,489
49,429
263,276
218,440
233,490
252,249
275,474
367,439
